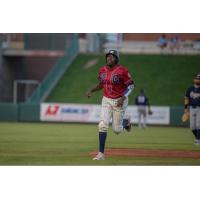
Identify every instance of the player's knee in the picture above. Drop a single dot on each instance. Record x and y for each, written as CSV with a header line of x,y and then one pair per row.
x,y
193,127
103,127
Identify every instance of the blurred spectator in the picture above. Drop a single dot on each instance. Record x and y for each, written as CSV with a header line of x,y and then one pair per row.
x,y
162,42
197,44
174,43
4,40
112,37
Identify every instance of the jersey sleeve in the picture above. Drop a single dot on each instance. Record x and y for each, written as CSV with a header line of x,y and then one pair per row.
x,y
127,79
101,76
187,94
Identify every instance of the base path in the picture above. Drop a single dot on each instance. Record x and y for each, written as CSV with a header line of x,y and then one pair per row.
x,y
150,153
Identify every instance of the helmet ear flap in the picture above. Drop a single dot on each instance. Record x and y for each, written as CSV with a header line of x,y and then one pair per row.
x,y
116,60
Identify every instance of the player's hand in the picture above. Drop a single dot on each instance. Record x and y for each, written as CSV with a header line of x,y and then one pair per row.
x,y
121,101
150,112
88,94
185,116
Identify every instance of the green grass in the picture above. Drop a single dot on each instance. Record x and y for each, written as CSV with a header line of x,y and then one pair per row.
x,y
164,78
70,144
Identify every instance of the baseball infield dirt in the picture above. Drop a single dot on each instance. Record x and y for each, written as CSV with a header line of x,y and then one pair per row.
x,y
150,153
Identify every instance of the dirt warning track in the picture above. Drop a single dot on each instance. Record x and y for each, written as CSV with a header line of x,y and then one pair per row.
x,y
150,153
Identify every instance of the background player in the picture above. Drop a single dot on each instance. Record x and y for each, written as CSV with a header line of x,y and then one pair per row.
x,y
192,108
117,84
142,103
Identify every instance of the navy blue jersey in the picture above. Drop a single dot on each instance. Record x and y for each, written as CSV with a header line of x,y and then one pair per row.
x,y
141,100
193,94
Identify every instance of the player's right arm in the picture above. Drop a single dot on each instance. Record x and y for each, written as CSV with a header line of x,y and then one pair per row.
x,y
186,114
186,100
101,81
186,103
94,89
149,106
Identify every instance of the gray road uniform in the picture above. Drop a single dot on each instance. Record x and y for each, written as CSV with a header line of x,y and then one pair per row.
x,y
142,103
193,97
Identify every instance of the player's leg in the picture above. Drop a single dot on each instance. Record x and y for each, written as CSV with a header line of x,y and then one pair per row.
x,y
120,121
145,117
198,124
127,122
193,124
142,117
103,126
143,120
139,118
194,131
117,120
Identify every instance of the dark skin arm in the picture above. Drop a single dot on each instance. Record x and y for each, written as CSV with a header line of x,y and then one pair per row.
x,y
99,87
94,89
121,101
186,102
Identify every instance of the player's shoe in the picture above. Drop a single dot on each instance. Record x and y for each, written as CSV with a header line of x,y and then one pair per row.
x,y
99,156
196,142
128,126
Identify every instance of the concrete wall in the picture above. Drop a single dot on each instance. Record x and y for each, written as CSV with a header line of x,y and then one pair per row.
x,y
19,112
1,72
20,67
37,67
6,87
46,41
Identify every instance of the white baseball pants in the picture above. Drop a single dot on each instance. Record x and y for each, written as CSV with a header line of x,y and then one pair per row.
x,y
109,111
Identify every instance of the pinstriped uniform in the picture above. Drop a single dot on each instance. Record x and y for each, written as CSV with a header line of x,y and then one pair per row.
x,y
114,81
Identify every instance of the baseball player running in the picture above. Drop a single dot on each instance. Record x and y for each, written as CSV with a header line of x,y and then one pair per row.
x,y
117,84
192,108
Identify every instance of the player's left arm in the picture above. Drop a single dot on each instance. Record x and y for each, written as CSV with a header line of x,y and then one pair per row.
x,y
186,114
130,85
128,82
149,107
128,91
186,100
186,104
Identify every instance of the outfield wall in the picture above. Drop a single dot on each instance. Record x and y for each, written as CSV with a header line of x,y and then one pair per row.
x,y
19,112
82,113
60,112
